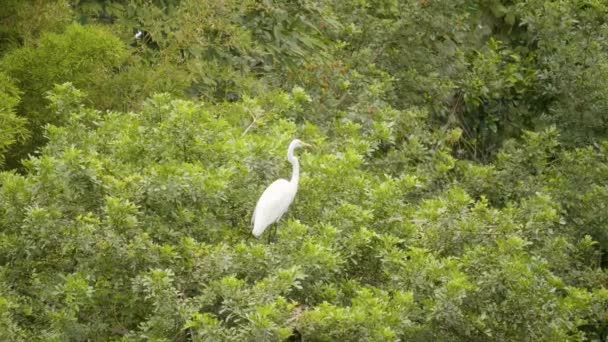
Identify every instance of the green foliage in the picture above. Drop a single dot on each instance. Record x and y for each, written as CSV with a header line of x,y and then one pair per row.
x,y
492,68
572,64
456,190
219,50
81,55
493,94
135,226
22,22
12,128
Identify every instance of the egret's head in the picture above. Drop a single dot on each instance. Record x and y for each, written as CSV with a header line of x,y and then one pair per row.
x,y
297,143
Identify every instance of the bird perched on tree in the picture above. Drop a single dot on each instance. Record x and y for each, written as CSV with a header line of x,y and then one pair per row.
x,y
275,200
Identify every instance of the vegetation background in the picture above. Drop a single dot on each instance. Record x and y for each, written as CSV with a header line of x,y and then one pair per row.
x,y
458,191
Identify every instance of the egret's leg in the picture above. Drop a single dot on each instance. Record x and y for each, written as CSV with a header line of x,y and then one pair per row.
x,y
272,234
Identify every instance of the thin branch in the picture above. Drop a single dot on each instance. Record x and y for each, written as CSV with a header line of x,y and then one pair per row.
x,y
253,122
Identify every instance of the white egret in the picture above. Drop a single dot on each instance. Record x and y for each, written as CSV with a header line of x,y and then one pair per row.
x,y
275,200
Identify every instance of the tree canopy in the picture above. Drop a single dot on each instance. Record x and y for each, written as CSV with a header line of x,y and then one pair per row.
x,y
457,190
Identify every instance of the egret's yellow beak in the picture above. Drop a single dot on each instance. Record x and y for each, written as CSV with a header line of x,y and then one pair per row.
x,y
306,145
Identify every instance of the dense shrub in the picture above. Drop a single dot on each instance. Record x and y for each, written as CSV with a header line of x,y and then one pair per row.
x,y
12,128
81,55
456,190
136,225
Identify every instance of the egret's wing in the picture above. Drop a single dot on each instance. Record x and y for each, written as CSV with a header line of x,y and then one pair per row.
x,y
272,205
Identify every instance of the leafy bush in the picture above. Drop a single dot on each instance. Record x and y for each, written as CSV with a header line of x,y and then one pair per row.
x,y
81,55
135,226
456,190
12,128
24,21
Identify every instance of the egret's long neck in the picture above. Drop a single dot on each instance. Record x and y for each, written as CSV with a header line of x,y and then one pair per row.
x,y
295,174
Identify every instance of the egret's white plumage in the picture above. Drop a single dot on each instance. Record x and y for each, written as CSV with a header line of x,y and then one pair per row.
x,y
275,200
272,205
